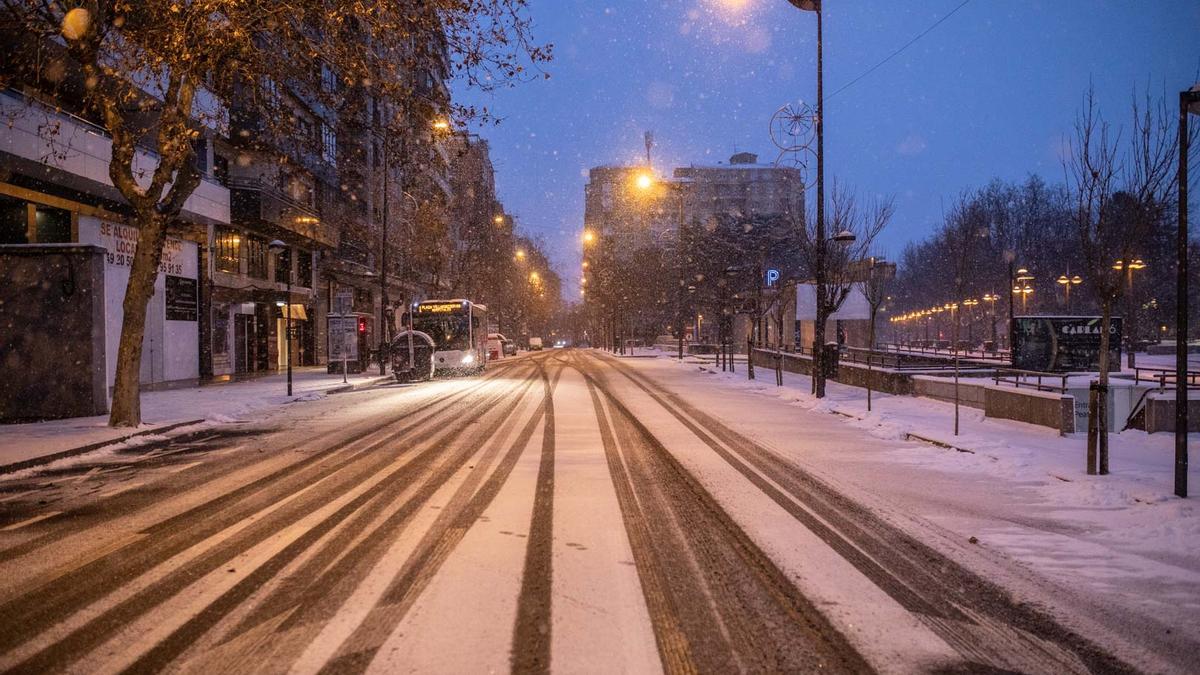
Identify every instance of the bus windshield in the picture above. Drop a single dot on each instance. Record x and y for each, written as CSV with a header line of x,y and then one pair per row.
x,y
449,331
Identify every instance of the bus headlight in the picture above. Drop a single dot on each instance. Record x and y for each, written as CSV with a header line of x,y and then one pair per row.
x,y
468,358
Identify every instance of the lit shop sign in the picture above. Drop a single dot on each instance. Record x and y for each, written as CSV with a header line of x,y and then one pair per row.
x,y
772,277
121,243
439,307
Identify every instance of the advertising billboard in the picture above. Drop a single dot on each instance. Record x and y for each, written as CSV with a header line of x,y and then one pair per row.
x,y
1060,344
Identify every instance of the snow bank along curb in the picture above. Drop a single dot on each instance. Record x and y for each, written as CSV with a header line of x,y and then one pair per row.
x,y
156,430
356,386
71,452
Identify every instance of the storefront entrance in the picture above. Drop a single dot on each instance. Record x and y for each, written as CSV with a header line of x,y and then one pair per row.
x,y
250,341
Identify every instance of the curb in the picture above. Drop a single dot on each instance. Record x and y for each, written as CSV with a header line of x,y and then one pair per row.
x,y
909,436
345,388
63,454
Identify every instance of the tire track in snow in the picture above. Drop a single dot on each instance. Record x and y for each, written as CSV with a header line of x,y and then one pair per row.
x,y
35,611
719,604
974,616
85,516
334,566
531,630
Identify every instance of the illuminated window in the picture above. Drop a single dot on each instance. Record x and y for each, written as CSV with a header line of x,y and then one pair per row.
x,y
256,257
227,247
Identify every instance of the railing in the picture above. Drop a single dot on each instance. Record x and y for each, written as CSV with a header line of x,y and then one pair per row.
x,y
1165,376
255,200
1031,378
938,349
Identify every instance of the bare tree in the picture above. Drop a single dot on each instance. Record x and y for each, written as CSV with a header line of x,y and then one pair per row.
x,y
854,229
1120,190
875,288
155,72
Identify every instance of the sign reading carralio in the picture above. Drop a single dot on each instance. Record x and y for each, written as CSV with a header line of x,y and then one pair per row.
x,y
121,243
1063,343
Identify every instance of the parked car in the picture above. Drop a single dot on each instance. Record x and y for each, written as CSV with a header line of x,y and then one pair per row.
x,y
510,348
535,343
497,346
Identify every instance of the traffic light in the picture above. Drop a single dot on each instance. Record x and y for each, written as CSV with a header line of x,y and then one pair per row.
x,y
362,324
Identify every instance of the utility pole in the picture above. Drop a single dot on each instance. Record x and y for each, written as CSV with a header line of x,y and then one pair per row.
x,y
383,269
820,272
1189,103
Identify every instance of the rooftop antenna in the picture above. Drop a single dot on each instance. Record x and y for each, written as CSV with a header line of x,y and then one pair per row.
x,y
649,137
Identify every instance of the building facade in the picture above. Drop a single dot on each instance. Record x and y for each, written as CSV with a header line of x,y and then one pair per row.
x,y
55,189
346,216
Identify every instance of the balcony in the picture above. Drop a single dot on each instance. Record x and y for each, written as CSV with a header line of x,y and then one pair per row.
x,y
71,151
262,206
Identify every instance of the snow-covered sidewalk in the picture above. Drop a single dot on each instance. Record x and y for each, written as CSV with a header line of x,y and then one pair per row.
x,y
1019,489
175,410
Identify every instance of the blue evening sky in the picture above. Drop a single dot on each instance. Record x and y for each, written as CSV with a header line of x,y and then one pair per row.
x,y
991,92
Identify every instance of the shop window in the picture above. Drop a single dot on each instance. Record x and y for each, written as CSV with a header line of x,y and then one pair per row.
x,y
256,257
283,266
220,329
227,250
304,269
53,225
14,223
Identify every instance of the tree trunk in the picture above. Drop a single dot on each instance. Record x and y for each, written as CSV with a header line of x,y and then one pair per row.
x,y
818,358
870,353
1102,402
126,408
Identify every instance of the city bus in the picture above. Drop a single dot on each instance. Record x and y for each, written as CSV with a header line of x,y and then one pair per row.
x,y
458,329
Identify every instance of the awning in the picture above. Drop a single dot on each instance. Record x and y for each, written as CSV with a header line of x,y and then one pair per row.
x,y
297,312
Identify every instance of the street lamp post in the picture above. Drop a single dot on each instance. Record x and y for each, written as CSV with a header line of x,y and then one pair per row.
x,y
278,247
411,348
1066,282
1128,267
1189,104
991,300
970,304
819,126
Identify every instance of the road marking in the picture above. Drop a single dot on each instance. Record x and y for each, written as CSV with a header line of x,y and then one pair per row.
x,y
29,521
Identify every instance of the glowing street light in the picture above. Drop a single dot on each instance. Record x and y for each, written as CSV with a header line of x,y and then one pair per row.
x,y
441,125
589,237
520,255
1067,282
644,181
498,219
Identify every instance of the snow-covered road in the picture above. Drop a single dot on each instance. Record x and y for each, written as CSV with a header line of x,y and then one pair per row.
x,y
566,511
